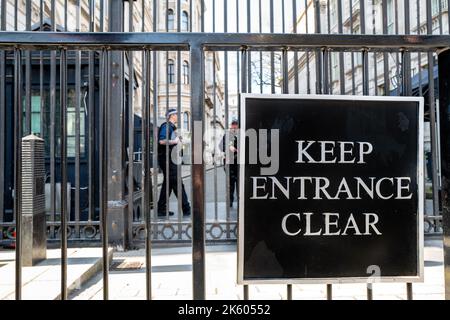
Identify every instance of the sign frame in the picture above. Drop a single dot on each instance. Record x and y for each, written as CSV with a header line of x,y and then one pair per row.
x,y
420,194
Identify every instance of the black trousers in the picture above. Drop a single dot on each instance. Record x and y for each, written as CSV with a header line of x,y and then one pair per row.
x,y
173,186
234,182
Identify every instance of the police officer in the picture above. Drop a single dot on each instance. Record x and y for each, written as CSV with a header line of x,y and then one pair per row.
x,y
231,152
167,137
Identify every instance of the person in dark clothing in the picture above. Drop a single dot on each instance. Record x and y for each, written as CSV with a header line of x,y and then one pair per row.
x,y
167,137
231,152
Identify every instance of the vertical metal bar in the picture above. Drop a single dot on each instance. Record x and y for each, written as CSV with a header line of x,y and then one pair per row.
x,y
249,56
289,292
365,62
53,127
216,214
146,124
18,169
433,124
308,73
369,291
198,172
272,55
167,173
2,114
130,117
41,75
365,83
202,16
329,292
191,13
409,291
244,75
352,54
77,126
375,61
419,54
227,121
294,27
285,66
325,71
179,167
261,82
91,121
444,100
448,17
364,53
431,102
102,20
385,54
362,10
406,56
407,17
249,25
324,88
318,53
105,74
341,54
63,155
16,14
440,16
397,60
65,16
155,70
28,71
328,17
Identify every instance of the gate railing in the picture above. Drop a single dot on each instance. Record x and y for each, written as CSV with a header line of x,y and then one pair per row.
x,y
198,45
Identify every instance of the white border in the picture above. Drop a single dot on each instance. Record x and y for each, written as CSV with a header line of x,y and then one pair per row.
x,y
420,193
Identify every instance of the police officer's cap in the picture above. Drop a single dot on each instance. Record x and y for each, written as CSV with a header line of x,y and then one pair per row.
x,y
171,112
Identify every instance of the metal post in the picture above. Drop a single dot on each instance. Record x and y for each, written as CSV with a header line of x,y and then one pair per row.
x,y
147,176
244,56
444,101
2,113
91,122
63,155
318,53
198,172
120,225
18,167
104,106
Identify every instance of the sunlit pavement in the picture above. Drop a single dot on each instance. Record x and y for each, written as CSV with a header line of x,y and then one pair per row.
x,y
172,278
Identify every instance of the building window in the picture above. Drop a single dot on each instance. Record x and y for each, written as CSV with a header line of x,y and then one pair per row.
x,y
184,21
170,19
171,71
186,75
35,113
186,121
36,124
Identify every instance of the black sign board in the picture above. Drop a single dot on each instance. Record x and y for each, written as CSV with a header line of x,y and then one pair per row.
x,y
331,189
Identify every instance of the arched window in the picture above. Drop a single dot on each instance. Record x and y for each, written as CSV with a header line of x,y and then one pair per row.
x,y
186,72
171,71
186,121
170,19
184,21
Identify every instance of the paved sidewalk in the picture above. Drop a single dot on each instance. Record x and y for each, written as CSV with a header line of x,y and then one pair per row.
x,y
42,282
172,279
